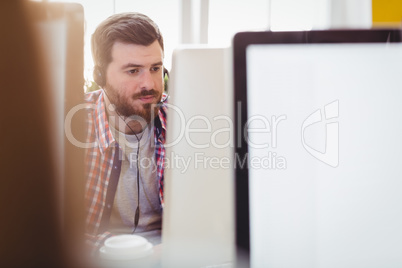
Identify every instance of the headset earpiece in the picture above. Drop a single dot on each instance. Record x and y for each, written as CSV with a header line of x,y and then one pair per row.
x,y
99,77
165,72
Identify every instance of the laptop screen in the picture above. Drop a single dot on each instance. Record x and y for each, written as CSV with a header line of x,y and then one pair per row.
x,y
319,132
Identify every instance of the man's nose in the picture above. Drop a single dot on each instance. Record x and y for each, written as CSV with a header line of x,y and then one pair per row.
x,y
147,81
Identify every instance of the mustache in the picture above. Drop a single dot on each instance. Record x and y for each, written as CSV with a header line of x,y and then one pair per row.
x,y
144,93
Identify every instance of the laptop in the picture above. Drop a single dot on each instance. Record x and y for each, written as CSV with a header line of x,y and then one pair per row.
x,y
318,126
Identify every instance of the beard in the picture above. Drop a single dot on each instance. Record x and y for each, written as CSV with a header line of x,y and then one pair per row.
x,y
124,106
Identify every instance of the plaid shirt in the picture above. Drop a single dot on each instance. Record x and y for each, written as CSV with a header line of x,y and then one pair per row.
x,y
103,165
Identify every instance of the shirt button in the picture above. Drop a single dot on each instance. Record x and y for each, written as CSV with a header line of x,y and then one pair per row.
x,y
108,206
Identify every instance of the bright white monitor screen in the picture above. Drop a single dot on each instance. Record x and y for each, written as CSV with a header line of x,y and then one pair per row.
x,y
325,154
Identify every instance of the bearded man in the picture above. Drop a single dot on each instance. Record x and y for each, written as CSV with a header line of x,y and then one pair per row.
x,y
126,128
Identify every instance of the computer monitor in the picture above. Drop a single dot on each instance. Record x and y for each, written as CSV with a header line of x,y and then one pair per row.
x,y
318,122
60,30
198,216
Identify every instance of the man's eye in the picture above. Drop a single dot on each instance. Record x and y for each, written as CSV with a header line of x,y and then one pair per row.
x,y
132,71
155,69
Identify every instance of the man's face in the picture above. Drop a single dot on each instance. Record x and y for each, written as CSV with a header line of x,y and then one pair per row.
x,y
134,79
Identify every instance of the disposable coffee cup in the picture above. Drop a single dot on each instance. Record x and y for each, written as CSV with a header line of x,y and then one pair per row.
x,y
127,248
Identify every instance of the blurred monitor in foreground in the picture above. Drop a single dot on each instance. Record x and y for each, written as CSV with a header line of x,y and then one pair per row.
x,y
41,69
324,119
198,219
60,32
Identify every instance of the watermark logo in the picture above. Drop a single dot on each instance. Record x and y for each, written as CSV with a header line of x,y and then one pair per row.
x,y
331,154
259,132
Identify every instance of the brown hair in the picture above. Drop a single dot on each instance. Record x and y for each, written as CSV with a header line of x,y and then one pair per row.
x,y
130,28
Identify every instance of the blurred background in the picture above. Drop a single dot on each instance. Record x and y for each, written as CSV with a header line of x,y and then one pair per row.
x,y
215,22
